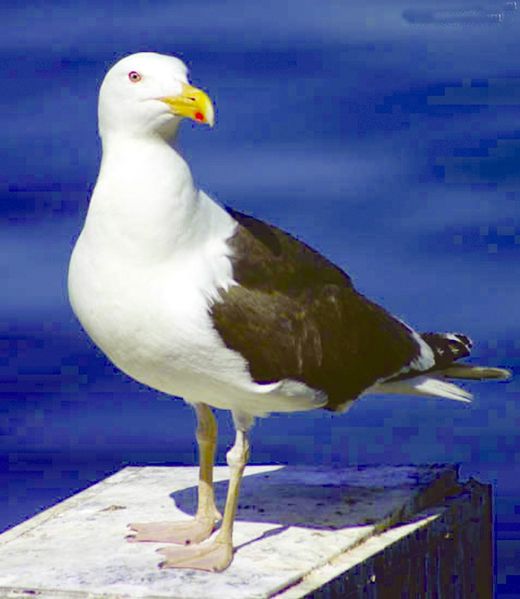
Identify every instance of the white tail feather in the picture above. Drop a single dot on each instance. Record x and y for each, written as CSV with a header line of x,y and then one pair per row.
x,y
423,386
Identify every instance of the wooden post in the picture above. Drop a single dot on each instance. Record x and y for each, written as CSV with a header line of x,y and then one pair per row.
x,y
377,531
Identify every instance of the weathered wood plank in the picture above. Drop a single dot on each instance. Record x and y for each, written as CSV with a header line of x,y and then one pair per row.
x,y
300,532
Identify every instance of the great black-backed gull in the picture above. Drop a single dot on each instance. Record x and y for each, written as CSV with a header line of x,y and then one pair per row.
x,y
220,308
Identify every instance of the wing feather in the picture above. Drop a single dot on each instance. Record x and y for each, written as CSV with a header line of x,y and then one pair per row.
x,y
295,315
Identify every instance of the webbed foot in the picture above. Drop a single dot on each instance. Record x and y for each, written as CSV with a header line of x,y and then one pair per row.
x,y
214,556
182,533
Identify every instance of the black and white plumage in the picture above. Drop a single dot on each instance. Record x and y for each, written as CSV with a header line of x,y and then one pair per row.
x,y
218,307
320,330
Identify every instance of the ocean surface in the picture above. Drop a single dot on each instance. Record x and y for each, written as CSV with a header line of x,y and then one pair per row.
x,y
384,134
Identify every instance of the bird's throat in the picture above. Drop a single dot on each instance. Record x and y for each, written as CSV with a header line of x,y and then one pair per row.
x,y
145,198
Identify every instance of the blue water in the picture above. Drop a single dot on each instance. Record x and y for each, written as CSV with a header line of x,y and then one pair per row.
x,y
386,137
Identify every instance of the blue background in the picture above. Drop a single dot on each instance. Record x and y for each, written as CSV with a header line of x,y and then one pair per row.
x,y
385,134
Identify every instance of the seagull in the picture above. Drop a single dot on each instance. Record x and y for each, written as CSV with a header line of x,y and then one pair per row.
x,y
207,303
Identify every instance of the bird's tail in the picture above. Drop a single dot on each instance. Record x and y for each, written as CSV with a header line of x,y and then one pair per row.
x,y
476,373
447,348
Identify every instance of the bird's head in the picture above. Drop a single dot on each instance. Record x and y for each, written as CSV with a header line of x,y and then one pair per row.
x,y
149,93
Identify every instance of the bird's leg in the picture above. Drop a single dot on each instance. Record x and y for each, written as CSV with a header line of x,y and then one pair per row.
x,y
207,442
203,524
215,555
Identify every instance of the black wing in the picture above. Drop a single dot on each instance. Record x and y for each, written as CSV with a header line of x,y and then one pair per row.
x,y
295,315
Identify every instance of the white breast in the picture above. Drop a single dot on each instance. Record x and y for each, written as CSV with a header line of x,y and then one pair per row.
x,y
144,273
154,323
151,318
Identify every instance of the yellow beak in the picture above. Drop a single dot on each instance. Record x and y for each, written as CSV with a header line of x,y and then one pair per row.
x,y
192,103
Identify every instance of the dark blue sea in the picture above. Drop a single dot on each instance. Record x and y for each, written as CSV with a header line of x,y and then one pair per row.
x,y
386,134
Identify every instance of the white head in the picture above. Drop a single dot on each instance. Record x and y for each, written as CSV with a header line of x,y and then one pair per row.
x,y
147,94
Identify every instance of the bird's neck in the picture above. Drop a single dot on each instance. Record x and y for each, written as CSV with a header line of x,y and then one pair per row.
x,y
145,200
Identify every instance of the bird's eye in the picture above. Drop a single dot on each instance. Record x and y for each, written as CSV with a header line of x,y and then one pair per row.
x,y
134,76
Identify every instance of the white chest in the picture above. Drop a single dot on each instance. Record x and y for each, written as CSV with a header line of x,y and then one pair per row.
x,y
153,322
140,314
150,261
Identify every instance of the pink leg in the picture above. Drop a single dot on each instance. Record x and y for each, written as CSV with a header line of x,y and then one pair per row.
x,y
216,555
203,524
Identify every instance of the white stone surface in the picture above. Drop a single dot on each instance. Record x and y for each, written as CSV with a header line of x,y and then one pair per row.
x,y
292,524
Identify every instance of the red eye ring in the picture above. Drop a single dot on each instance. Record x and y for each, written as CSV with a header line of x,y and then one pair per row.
x,y
134,76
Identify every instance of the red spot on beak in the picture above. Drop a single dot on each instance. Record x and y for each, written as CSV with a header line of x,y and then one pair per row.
x,y
199,116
